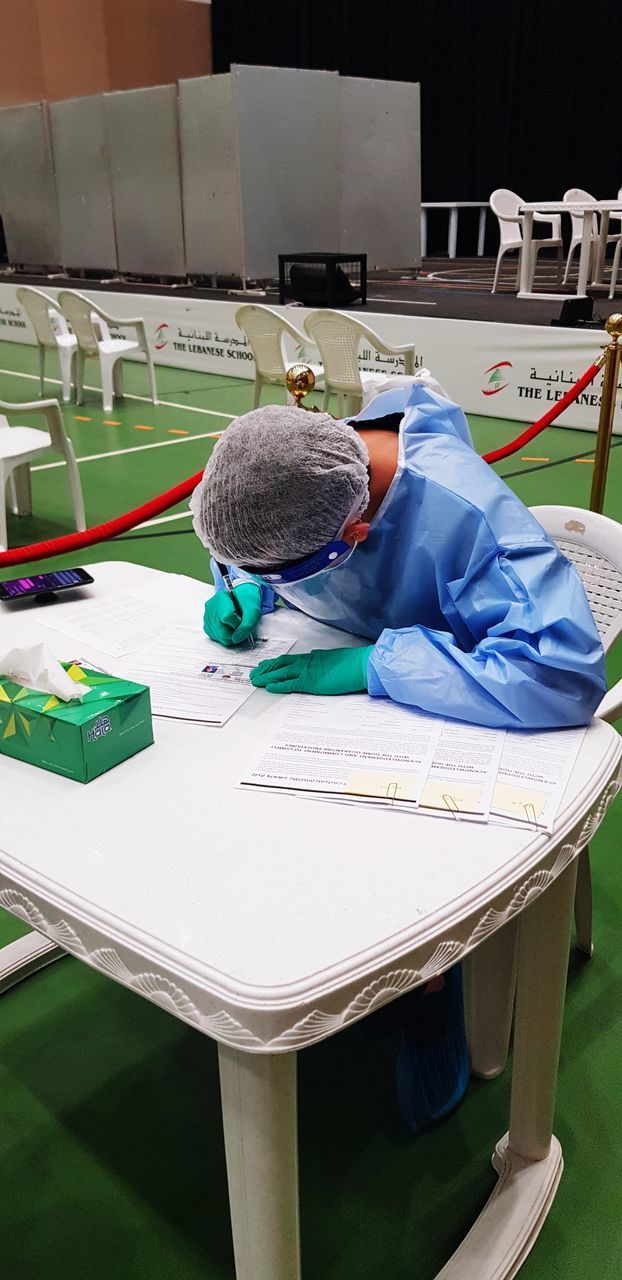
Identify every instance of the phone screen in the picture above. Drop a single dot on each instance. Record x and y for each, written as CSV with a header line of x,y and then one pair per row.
x,y
61,580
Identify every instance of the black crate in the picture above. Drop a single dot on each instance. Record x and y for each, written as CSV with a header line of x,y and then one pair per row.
x,y
323,279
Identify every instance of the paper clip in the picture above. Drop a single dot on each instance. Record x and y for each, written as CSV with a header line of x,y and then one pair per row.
x,y
532,821
452,805
392,787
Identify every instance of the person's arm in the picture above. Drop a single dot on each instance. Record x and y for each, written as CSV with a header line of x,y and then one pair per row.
x,y
529,658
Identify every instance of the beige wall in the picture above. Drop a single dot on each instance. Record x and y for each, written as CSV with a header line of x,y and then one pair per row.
x,y
58,49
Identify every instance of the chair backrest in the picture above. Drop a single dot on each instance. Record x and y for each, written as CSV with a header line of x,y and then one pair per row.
x,y
265,330
577,193
79,311
338,339
42,312
506,204
48,409
594,544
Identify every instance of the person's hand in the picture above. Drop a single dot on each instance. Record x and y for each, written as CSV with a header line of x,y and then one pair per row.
x,y
321,671
222,623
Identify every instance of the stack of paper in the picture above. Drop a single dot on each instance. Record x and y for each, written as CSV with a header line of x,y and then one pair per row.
x,y
371,751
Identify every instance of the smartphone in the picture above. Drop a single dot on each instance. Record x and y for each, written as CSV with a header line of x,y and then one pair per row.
x,y
44,583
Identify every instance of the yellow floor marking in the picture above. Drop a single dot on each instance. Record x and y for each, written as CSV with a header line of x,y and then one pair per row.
x,y
177,431
588,460
77,418
527,458
139,426
111,422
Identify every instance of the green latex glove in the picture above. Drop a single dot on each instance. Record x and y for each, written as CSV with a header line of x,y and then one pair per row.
x,y
321,671
220,620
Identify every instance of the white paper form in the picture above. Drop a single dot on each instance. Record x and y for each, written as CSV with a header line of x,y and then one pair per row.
x,y
352,746
533,774
464,770
192,678
116,626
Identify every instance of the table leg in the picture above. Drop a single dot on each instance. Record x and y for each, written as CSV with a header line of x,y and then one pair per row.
x,y
258,1093
452,239
600,248
481,232
25,956
526,268
528,1159
424,233
584,254
489,986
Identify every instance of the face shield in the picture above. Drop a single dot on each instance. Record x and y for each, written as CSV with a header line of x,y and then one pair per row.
x,y
333,554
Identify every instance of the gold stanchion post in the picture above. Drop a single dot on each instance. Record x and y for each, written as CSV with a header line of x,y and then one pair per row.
x,y
611,360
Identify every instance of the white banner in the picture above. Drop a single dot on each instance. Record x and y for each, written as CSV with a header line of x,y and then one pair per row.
x,y
497,370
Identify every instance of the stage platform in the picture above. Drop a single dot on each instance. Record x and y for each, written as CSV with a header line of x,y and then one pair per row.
x,y
454,289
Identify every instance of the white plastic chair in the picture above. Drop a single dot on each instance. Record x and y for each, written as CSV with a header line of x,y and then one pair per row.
x,y
90,325
505,205
52,333
594,544
573,194
19,446
265,332
338,338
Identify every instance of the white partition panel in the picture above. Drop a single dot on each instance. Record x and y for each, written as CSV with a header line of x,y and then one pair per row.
x,y
288,141
210,178
27,193
380,171
142,132
83,185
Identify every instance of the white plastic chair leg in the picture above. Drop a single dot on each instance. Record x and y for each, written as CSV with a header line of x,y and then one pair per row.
x,y
569,261
107,384
65,360
11,495
117,377
258,1095
257,390
326,399
42,369
614,269
79,377
152,378
22,484
75,487
489,985
583,904
500,256
4,537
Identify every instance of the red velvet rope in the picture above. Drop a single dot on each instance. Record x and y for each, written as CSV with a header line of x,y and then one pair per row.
x,y
113,528
545,421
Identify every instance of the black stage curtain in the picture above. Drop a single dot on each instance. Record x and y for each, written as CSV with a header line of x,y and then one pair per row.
x,y
514,93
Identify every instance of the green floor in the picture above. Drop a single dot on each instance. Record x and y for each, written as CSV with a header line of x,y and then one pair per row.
x,y
111,1152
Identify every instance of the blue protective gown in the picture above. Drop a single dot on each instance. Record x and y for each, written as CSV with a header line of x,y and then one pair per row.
x,y
474,611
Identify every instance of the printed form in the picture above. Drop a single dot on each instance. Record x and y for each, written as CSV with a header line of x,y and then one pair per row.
x,y
192,678
533,774
349,746
116,626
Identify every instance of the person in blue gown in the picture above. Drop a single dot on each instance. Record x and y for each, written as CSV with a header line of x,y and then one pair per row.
x,y
390,527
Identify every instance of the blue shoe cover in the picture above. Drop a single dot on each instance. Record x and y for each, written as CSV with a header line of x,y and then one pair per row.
x,y
432,1067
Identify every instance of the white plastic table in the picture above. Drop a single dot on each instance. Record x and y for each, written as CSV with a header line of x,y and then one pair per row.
x,y
583,209
269,923
452,232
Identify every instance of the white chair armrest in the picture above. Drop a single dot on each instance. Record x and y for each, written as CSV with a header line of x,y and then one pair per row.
x,y
29,406
407,351
610,708
508,217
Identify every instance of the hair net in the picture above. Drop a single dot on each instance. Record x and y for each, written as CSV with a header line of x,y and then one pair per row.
x,y
279,485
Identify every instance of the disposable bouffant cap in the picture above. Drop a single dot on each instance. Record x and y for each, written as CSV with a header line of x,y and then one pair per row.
x,y
279,485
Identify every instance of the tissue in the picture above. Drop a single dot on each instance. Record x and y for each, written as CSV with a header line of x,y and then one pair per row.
x,y
38,669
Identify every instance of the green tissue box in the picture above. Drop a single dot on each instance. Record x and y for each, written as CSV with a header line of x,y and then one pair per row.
x,y
77,739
